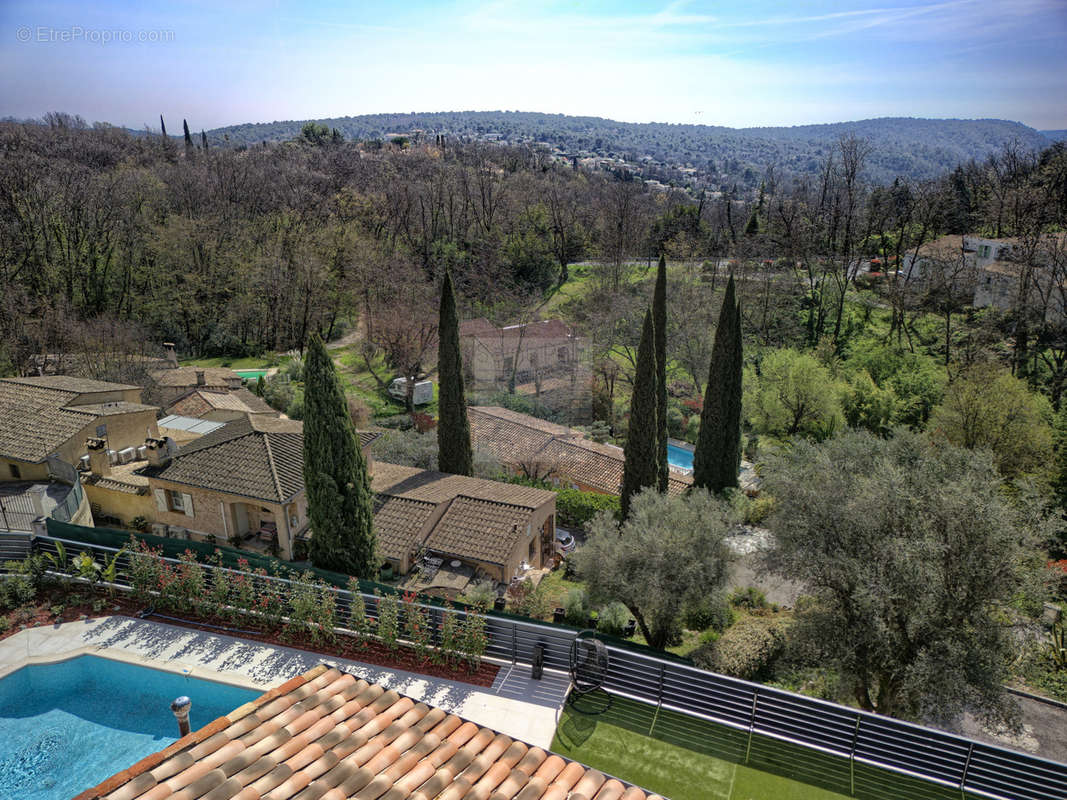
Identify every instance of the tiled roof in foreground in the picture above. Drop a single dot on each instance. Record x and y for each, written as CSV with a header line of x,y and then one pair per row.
x,y
328,735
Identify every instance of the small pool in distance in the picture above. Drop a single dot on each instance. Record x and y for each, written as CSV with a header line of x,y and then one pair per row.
x,y
679,457
67,726
251,374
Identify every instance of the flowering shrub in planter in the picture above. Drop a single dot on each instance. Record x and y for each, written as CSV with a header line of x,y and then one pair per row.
x,y
302,607
389,621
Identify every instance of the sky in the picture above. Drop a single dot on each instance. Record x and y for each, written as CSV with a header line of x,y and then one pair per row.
x,y
739,63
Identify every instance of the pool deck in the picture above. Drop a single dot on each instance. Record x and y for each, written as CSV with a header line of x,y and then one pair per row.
x,y
516,705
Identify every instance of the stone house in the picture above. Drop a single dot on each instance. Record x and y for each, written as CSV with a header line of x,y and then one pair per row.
x,y
54,416
219,405
46,426
532,351
562,456
243,480
175,382
497,528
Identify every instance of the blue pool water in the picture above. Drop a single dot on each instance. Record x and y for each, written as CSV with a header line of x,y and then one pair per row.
x,y
65,727
679,457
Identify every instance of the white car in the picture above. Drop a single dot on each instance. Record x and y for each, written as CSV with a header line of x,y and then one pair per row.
x,y
564,541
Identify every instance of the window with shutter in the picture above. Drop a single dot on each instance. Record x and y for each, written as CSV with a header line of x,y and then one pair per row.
x,y
161,499
187,504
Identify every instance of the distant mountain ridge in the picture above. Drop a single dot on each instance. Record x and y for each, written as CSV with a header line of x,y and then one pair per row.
x,y
1055,136
912,147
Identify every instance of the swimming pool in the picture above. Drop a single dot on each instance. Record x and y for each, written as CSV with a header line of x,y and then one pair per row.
x,y
251,374
67,726
679,457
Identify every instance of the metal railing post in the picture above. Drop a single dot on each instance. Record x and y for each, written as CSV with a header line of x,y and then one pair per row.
x,y
852,758
751,724
963,777
514,643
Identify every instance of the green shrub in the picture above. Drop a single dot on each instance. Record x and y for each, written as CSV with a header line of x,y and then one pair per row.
x,y
574,507
612,619
675,422
482,593
389,620
576,606
758,509
748,649
750,597
712,613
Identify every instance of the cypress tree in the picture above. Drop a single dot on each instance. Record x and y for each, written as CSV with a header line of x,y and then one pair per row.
x,y
163,127
718,452
659,321
641,465
203,140
453,429
188,136
335,473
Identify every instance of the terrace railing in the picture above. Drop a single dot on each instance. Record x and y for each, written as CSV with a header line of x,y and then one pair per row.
x,y
845,749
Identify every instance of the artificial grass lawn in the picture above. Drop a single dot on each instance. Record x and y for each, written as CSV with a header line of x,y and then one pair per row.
x,y
685,758
682,759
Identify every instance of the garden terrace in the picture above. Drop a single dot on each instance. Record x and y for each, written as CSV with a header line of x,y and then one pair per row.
x,y
837,748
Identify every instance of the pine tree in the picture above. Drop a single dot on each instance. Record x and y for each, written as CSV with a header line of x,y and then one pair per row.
x,y
188,136
659,321
335,473
641,465
453,429
718,452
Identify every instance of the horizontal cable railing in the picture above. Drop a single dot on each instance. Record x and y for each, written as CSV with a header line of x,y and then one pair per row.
x,y
762,719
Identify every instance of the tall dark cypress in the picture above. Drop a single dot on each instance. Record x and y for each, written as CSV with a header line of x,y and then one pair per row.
x,y
339,498
453,429
188,136
718,452
203,140
659,320
163,127
641,465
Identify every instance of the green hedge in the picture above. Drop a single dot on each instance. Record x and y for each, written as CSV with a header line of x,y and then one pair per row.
x,y
574,507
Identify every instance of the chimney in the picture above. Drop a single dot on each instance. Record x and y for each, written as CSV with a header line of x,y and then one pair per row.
x,y
180,707
200,377
171,355
159,451
99,463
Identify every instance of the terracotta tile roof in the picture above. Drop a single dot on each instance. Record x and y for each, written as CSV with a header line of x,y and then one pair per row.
x,y
71,383
519,439
34,420
328,735
490,415
125,478
110,409
186,376
258,457
479,530
399,523
439,487
477,519
198,402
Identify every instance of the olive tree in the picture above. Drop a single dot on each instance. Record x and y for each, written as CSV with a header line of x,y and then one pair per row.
x,y
986,407
667,555
912,551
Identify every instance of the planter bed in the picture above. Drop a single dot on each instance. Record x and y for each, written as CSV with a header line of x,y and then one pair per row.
x,y
343,645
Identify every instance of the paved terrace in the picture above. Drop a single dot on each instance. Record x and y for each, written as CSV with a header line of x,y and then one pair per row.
x,y
516,705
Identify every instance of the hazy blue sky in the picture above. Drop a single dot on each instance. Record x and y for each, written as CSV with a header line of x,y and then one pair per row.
x,y
748,62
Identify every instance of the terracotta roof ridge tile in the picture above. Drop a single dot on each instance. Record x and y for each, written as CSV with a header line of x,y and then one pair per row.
x,y
273,468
